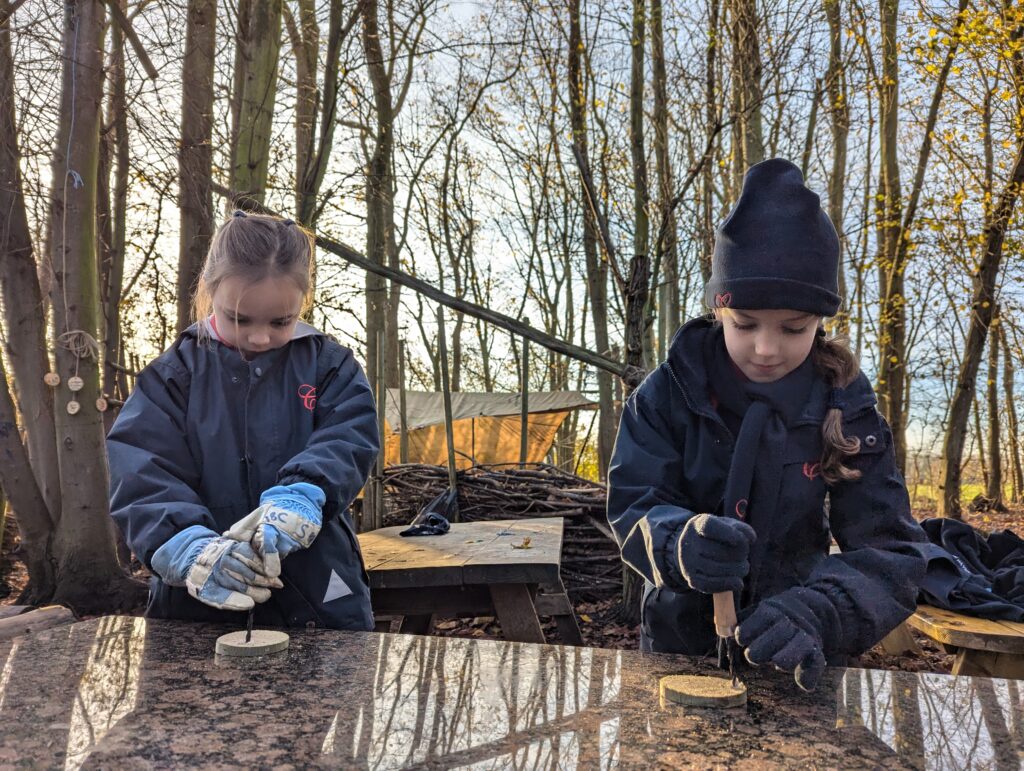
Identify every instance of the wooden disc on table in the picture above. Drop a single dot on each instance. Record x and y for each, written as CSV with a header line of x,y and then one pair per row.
x,y
263,641
51,379
702,691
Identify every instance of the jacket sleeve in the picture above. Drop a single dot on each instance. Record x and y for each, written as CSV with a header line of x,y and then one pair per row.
x,y
344,444
873,583
153,475
647,510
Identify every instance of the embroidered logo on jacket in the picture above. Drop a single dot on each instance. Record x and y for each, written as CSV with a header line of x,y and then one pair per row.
x,y
308,395
812,470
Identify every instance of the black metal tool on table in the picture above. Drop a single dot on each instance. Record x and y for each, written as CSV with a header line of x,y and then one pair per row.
x,y
248,624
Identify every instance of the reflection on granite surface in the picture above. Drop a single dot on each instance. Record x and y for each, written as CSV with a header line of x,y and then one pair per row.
x,y
960,722
121,691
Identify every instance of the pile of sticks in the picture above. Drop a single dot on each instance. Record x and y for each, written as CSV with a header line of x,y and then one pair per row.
x,y
591,567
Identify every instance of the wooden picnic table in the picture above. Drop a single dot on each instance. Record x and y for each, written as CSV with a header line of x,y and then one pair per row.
x,y
983,647
507,568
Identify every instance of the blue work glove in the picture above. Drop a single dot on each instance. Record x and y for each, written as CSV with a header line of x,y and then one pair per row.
x,y
787,631
287,519
216,570
714,553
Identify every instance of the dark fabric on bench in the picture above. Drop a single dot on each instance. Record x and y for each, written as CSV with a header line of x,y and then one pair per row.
x,y
971,573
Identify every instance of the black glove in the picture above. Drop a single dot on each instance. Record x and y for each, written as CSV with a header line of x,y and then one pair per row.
x,y
714,553
788,631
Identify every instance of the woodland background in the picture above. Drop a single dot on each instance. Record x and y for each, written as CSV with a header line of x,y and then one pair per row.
x,y
563,165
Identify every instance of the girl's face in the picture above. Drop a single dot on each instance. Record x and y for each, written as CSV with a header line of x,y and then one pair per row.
x,y
256,317
768,344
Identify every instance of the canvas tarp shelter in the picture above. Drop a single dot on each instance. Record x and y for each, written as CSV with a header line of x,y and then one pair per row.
x,y
486,426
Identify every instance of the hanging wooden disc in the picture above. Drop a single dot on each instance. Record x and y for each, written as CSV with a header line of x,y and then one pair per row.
x,y
51,379
73,407
101,404
76,384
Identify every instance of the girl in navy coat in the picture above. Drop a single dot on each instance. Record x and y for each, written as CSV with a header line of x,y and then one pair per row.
x,y
754,444
236,457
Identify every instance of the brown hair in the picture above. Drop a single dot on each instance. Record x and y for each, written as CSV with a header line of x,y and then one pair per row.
x,y
255,247
838,365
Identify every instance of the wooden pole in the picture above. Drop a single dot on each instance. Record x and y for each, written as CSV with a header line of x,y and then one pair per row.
x,y
449,434
524,398
382,396
403,423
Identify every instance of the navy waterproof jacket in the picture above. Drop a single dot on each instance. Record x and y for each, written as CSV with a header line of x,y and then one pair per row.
x,y
205,432
670,462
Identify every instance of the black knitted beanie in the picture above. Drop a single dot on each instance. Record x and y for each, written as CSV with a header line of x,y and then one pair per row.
x,y
777,248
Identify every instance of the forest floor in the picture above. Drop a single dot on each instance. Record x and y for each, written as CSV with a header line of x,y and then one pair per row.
x,y
599,622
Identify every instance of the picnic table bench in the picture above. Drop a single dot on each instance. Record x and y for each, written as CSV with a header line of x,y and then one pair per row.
x,y
505,568
982,646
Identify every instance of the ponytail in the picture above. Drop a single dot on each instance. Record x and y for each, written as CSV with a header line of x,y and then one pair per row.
x,y
837,363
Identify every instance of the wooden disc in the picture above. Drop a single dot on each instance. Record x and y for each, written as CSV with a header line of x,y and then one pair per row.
x,y
73,407
263,641
76,383
702,691
51,379
101,404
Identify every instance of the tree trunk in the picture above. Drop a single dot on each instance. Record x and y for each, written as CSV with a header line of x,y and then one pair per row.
x,y
979,436
111,220
310,175
195,158
894,230
668,294
305,38
892,332
982,308
24,321
1017,472
89,577
19,484
995,465
746,68
28,473
379,188
597,268
711,98
251,154
839,114
241,68
638,282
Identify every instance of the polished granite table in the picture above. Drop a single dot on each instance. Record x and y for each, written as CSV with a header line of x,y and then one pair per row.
x,y
123,692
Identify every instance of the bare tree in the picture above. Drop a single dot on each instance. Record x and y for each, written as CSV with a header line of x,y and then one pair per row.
x,y
597,267
71,546
748,134
839,115
1012,426
666,249
195,158
259,44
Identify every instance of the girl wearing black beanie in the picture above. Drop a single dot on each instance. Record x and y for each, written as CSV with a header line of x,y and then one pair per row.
x,y
753,445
